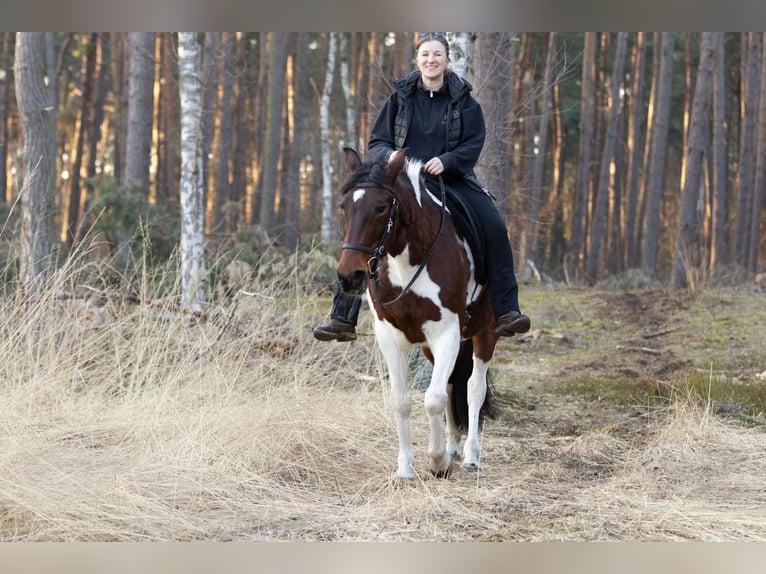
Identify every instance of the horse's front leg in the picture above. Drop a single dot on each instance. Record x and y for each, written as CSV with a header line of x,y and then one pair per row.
x,y
445,352
395,349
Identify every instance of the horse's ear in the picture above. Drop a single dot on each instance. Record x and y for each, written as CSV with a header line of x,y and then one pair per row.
x,y
396,162
353,161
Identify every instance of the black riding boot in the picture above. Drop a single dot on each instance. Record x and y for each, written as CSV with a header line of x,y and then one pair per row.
x,y
343,318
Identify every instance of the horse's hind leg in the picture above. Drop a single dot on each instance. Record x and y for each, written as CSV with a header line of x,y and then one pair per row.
x,y
484,348
453,433
477,390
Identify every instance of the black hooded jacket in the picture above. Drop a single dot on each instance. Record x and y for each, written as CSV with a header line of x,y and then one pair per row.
x,y
447,123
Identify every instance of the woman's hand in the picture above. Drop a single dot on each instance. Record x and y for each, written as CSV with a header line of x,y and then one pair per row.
x,y
434,166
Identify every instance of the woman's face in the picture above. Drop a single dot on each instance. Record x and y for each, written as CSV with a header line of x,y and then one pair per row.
x,y
432,60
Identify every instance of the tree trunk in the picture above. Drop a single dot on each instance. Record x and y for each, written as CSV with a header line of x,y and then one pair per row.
x,y
97,117
211,55
587,133
685,260
292,188
747,152
119,64
140,112
635,146
345,83
653,181
72,202
610,141
461,53
540,157
242,137
760,170
324,123
494,67
38,129
718,249
5,104
223,149
688,96
168,122
191,191
277,61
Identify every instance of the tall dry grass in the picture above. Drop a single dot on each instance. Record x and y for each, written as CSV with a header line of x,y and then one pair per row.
x,y
128,422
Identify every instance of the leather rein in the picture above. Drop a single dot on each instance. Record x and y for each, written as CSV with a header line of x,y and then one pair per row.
x,y
373,263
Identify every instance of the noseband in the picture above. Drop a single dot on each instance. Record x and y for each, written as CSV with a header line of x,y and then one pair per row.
x,y
373,263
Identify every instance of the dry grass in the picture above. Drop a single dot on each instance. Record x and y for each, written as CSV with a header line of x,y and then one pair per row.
x,y
131,422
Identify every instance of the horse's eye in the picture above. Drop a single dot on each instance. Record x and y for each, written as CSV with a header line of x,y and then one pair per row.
x,y
380,209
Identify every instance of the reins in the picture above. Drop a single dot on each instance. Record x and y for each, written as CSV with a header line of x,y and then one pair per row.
x,y
374,262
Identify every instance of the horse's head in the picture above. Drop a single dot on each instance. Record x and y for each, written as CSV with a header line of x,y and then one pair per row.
x,y
369,207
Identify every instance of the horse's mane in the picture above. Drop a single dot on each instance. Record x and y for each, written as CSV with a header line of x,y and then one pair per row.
x,y
368,173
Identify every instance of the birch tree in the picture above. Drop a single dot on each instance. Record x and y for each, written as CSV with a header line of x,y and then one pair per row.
x,y
345,82
38,130
191,184
461,53
324,129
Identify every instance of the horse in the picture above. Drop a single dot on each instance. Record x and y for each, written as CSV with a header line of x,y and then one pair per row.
x,y
402,247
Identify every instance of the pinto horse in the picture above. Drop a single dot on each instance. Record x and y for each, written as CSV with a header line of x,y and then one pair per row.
x,y
403,248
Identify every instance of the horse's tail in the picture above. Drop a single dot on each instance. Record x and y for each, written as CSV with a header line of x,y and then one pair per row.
x,y
459,381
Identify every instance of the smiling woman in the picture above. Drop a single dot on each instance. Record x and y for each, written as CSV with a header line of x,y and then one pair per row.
x,y
433,115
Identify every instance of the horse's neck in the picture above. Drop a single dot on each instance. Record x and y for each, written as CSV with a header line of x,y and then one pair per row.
x,y
422,228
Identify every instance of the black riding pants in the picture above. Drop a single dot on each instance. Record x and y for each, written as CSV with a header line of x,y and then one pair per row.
x,y
499,256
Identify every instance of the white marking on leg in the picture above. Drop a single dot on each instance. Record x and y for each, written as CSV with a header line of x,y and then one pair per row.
x,y
477,391
395,349
443,339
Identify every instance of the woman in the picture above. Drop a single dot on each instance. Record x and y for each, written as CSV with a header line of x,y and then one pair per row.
x,y
433,115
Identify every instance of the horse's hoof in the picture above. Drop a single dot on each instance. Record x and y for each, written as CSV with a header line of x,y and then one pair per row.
x,y
400,478
471,467
442,473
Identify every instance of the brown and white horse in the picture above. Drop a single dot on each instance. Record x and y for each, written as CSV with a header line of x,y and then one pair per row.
x,y
402,247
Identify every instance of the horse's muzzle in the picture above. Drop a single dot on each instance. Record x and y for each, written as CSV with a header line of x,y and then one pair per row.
x,y
355,283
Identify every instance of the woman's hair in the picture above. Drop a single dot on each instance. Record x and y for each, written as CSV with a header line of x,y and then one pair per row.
x,y
438,36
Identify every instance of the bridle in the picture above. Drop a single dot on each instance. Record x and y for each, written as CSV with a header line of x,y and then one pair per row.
x,y
373,263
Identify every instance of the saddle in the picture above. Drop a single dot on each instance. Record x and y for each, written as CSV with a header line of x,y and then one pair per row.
x,y
468,223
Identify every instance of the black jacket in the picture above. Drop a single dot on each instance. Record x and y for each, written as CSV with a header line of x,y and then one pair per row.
x,y
448,124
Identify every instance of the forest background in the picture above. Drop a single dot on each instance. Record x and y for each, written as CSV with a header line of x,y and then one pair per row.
x,y
607,152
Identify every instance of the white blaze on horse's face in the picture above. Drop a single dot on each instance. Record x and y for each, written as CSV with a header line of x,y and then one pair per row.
x,y
358,194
